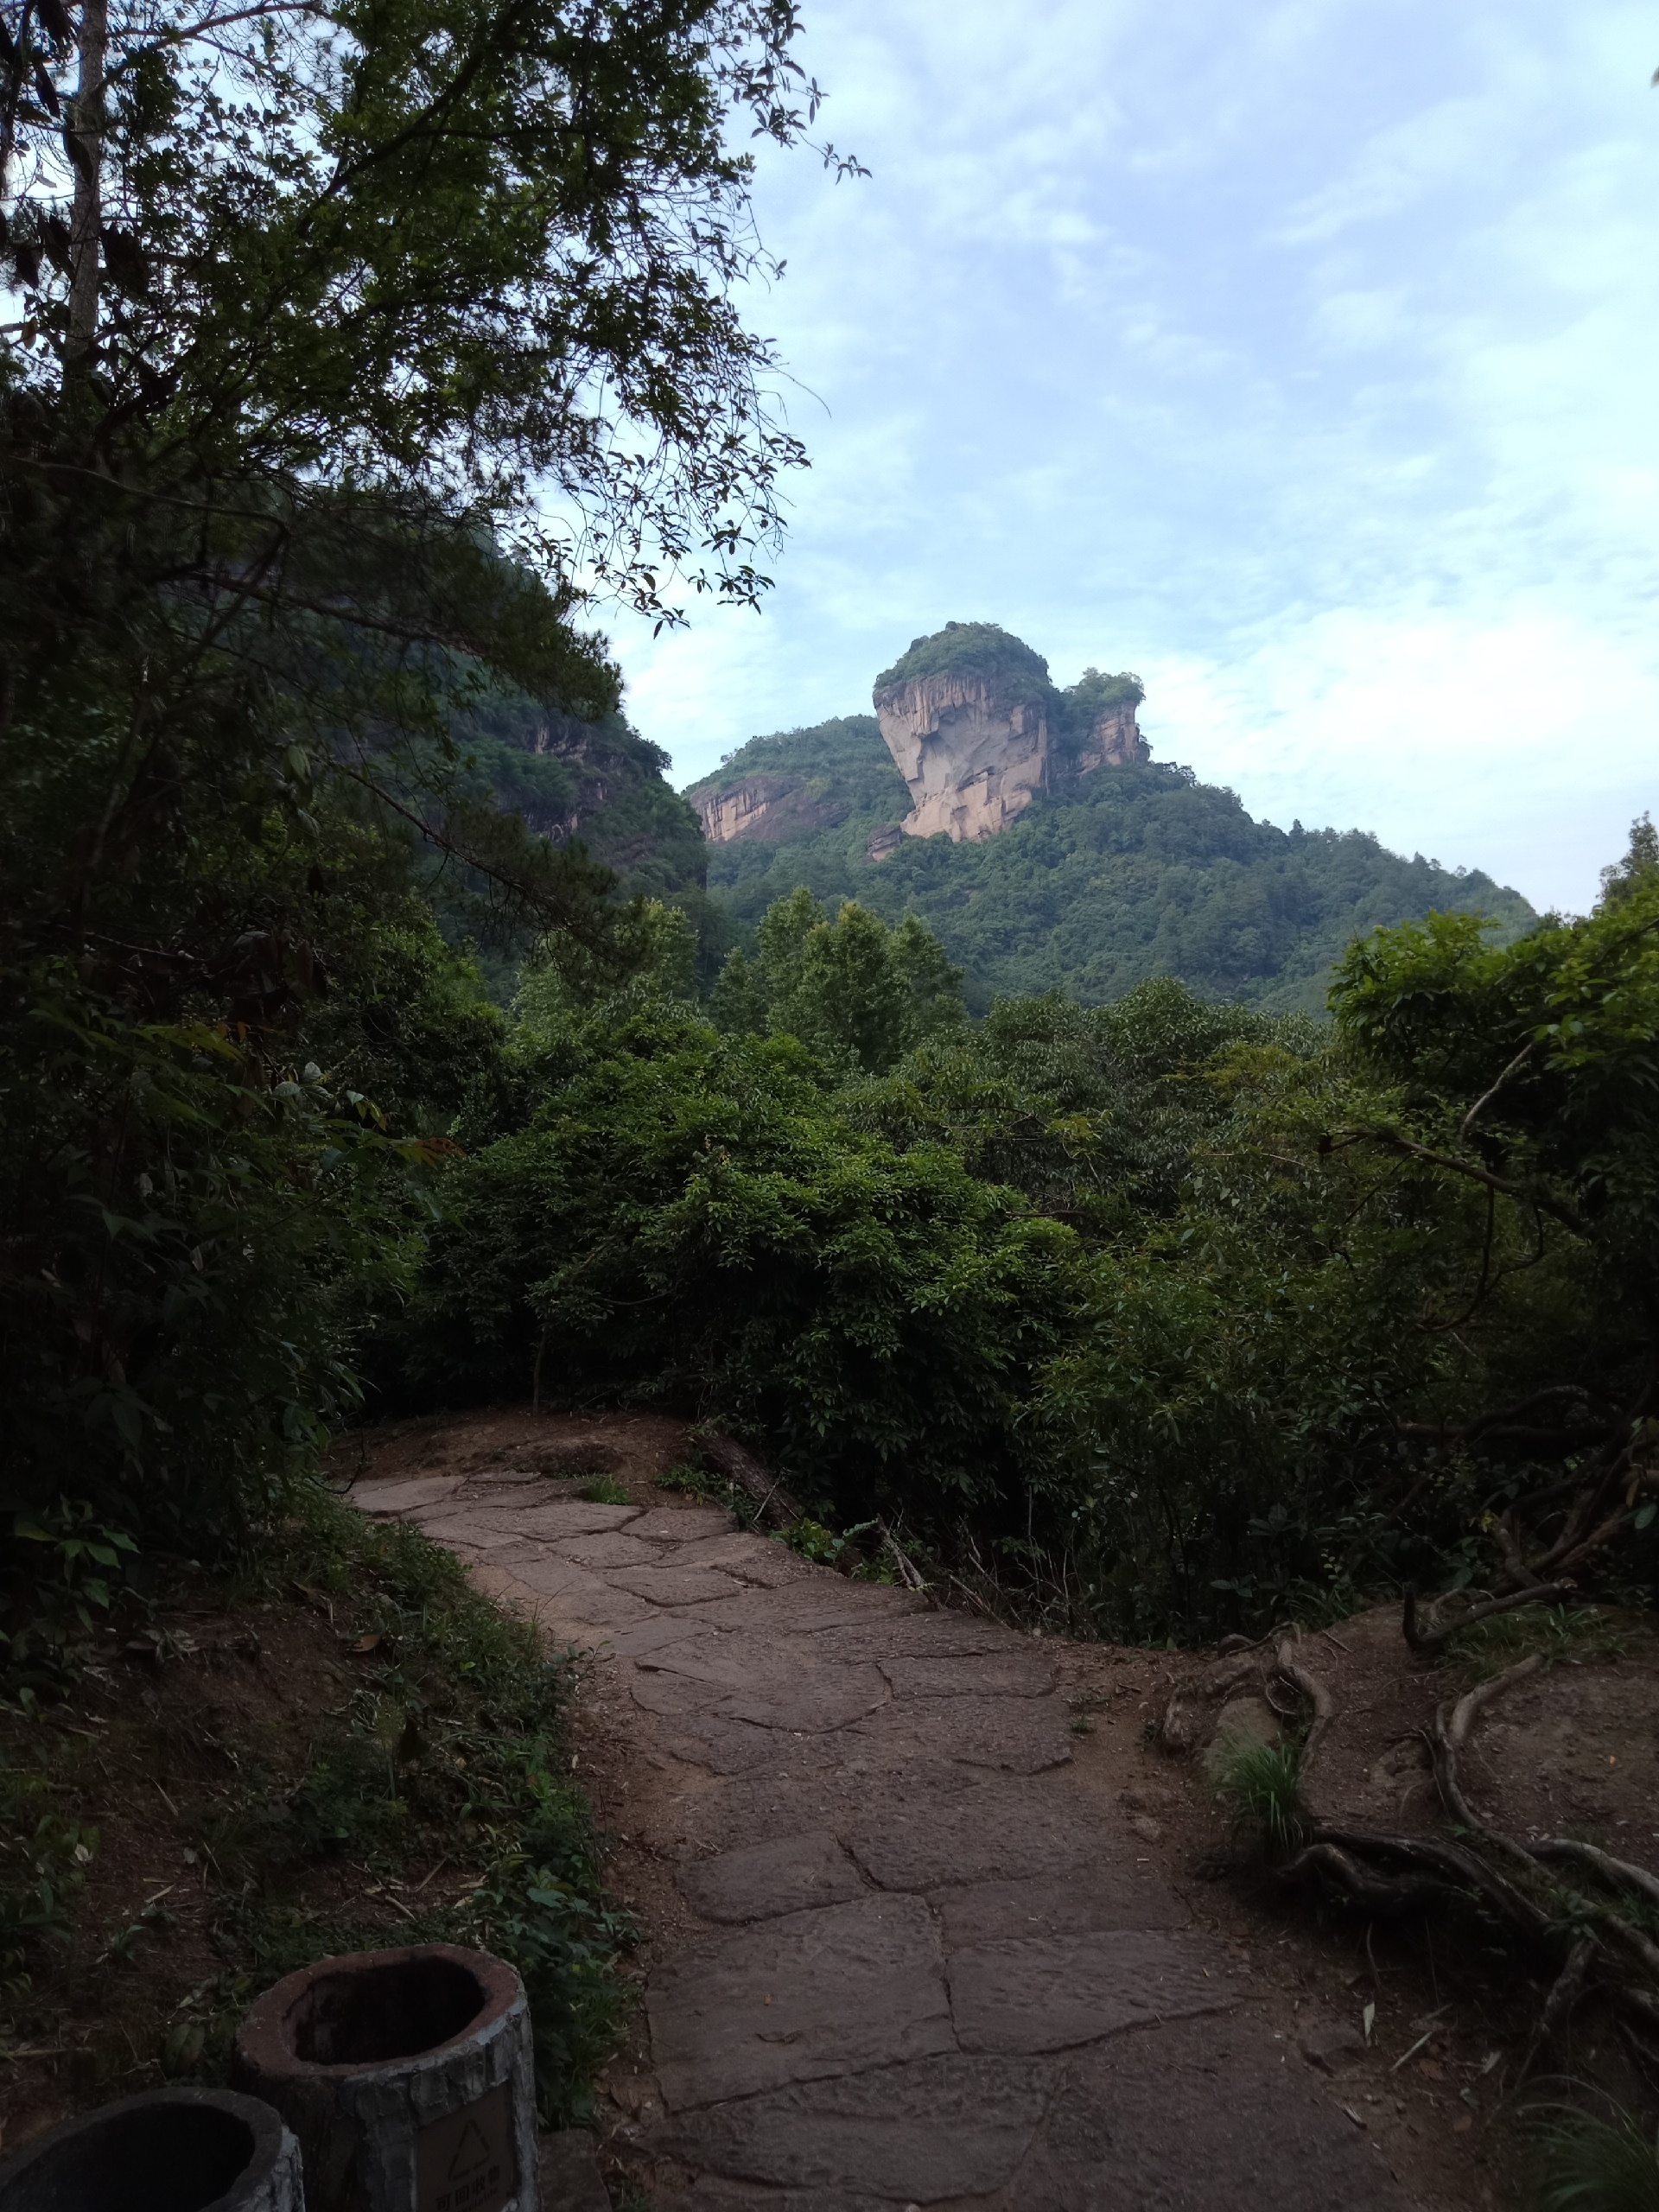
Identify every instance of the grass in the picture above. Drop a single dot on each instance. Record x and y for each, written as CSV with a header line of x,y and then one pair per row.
x,y
688,1481
43,1859
604,1490
1578,1633
458,1737
1583,2163
1261,1785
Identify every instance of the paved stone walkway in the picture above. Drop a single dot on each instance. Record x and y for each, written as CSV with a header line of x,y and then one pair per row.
x,y
919,1965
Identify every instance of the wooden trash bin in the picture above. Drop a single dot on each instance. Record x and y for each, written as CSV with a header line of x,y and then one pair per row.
x,y
170,2150
407,2076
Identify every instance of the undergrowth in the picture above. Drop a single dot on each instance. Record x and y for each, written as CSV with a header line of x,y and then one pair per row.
x,y
1576,1633
455,1747
1585,2163
1261,1786
442,1762
43,1861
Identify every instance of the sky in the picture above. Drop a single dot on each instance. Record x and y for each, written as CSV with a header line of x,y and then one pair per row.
x,y
1303,358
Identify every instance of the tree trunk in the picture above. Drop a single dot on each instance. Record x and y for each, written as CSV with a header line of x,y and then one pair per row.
x,y
83,136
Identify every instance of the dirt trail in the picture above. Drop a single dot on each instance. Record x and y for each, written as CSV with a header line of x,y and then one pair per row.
x,y
906,1947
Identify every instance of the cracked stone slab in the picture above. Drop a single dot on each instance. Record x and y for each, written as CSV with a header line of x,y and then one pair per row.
x,y
926,1838
1049,1991
770,1686
810,1701
991,1674
684,1524
465,1529
790,1875
917,1635
560,1517
755,1559
580,1596
1018,1735
653,1636
394,1498
806,1784
1111,1893
937,2128
676,1585
723,1746
676,1696
800,1998
822,1601
610,1547
1203,2114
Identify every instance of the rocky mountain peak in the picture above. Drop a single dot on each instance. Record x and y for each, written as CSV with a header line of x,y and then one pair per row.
x,y
977,729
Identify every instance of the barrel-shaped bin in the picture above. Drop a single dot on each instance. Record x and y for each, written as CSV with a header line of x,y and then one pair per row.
x,y
171,2151
408,2076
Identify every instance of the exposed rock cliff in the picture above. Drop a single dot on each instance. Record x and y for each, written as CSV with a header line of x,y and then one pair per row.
x,y
1113,740
973,755
978,730
600,782
770,807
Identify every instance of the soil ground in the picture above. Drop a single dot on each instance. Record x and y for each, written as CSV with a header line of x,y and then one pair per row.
x,y
165,1730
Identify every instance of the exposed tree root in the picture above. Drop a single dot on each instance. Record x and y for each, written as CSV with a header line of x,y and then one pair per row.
x,y
1565,1992
1316,1694
774,1504
1590,1945
1424,1640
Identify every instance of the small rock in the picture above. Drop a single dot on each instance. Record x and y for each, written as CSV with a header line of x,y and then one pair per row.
x,y
1232,1675
1332,2045
1181,1726
1241,1720
1146,1828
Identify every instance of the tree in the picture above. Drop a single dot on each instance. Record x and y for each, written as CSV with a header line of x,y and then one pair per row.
x,y
359,344
858,994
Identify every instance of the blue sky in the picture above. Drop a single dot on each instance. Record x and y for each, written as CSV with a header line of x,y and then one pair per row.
x,y
1300,357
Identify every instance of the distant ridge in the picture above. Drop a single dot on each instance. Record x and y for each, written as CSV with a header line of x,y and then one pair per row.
x,y
1111,868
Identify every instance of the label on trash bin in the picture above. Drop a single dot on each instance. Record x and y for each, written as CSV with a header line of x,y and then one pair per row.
x,y
466,2162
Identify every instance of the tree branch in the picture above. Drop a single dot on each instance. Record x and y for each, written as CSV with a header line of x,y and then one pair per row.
x,y
1557,1209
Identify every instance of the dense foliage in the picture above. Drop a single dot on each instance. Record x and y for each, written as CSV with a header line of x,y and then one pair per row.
x,y
1178,1313
983,649
1132,872
346,335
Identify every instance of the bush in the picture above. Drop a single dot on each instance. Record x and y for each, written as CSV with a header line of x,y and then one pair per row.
x,y
688,1220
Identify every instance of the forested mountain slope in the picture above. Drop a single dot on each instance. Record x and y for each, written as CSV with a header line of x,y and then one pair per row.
x,y
1135,870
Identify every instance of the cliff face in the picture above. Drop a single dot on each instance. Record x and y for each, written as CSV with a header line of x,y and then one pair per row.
x,y
973,756
975,753
597,781
1113,741
773,808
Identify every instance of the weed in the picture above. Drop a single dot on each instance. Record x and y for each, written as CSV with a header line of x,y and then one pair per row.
x,y
691,1481
1560,1632
1261,1785
43,1861
604,1490
1583,2163
451,1748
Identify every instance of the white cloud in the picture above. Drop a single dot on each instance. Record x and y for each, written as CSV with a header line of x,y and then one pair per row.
x,y
1487,745
1299,357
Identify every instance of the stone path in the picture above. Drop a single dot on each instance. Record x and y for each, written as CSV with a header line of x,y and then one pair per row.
x,y
914,1961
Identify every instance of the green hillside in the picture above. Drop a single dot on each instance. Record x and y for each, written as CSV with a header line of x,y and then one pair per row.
x,y
1133,872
